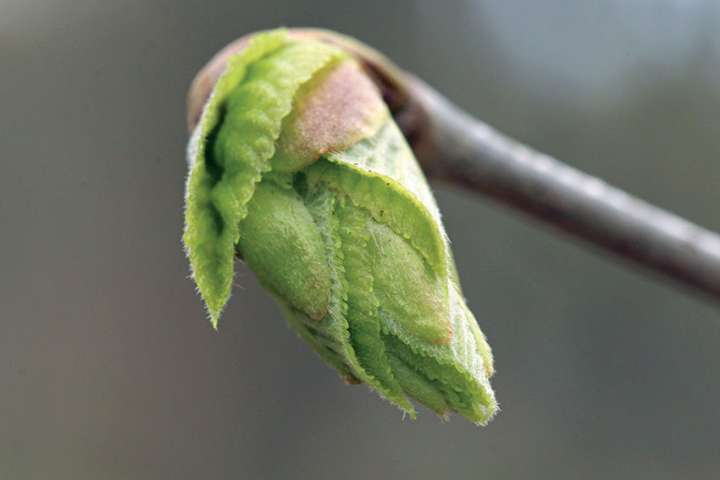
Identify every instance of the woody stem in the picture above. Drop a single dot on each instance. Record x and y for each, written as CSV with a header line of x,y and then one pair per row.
x,y
463,151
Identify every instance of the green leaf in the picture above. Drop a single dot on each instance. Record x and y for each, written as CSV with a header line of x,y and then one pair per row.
x,y
234,143
364,306
345,234
283,246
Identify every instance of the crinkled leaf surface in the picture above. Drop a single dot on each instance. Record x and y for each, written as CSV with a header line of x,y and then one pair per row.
x,y
348,239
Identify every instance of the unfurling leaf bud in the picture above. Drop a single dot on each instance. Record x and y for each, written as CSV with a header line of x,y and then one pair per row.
x,y
298,168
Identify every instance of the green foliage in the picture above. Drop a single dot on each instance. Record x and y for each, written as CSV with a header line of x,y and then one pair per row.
x,y
351,245
282,245
238,131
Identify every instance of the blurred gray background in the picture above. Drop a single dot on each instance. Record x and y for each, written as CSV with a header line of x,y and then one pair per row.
x,y
109,369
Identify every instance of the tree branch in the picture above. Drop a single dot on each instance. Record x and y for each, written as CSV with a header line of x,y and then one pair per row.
x,y
454,147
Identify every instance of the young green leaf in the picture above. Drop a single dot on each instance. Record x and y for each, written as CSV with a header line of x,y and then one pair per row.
x,y
235,143
299,169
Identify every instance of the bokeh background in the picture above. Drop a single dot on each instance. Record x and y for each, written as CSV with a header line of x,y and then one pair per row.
x,y
109,369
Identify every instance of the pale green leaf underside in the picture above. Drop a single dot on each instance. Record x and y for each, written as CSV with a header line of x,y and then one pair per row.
x,y
352,246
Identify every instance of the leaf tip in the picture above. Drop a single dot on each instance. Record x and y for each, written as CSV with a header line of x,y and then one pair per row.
x,y
214,314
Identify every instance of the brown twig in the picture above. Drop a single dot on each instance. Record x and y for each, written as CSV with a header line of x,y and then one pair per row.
x,y
453,146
